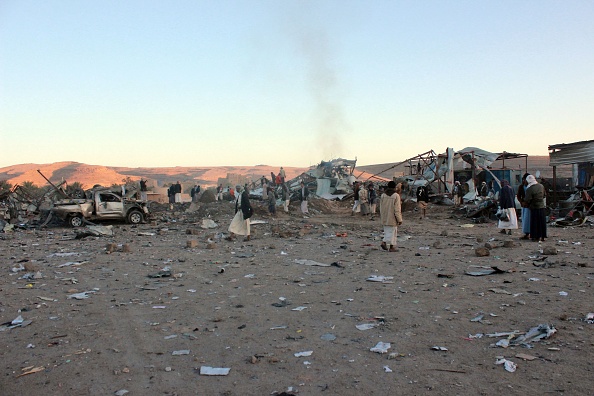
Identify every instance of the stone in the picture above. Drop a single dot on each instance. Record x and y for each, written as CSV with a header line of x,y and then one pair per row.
x,y
482,252
549,251
492,245
190,231
192,243
509,244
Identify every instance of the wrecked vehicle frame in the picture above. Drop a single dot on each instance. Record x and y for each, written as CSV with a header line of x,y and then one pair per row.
x,y
101,204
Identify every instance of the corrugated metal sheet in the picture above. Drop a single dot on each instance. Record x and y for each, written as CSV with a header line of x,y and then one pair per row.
x,y
572,153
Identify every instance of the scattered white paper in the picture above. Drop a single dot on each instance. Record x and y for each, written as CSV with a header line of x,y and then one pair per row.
x,y
507,364
366,326
381,347
303,354
207,370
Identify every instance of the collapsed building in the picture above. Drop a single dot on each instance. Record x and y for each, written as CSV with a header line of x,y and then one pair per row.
x,y
331,180
580,156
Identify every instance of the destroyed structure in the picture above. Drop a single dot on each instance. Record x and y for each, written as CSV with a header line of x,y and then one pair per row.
x,y
579,205
19,207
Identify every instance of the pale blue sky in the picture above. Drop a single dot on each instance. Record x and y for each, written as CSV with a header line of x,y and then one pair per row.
x,y
207,83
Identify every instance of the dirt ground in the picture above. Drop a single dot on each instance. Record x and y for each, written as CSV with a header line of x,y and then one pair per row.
x,y
124,335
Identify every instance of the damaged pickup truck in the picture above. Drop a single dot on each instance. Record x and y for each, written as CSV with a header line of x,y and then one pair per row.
x,y
101,204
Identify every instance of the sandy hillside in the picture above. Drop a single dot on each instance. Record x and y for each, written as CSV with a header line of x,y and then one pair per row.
x,y
90,175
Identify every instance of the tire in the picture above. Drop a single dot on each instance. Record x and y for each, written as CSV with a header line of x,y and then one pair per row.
x,y
135,217
75,220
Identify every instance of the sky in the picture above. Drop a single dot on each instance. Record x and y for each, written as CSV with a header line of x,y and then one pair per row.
x,y
280,82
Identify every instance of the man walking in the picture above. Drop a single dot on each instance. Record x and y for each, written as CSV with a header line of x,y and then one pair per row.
x,y
390,215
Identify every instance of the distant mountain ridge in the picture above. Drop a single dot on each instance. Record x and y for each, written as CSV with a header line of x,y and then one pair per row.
x,y
90,175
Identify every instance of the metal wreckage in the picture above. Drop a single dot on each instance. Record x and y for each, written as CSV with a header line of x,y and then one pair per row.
x,y
330,180
20,208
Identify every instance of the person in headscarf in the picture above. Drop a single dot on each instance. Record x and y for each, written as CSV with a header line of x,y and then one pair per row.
x,y
240,225
483,190
390,215
525,209
535,199
507,203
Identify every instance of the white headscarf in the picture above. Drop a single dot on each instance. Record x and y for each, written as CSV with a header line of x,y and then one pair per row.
x,y
531,180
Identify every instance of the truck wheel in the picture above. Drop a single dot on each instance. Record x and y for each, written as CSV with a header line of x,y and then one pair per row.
x,y
75,220
135,217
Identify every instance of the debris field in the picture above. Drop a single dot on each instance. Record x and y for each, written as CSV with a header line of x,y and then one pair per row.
x,y
309,306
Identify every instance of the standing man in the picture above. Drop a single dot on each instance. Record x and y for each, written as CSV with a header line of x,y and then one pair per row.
x,y
143,190
456,193
303,195
193,194
356,207
178,191
390,215
271,201
521,194
507,203
483,190
240,225
372,199
286,196
171,194
282,174
423,200
364,201
219,195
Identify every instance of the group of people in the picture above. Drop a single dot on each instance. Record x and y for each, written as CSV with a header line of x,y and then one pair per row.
x,y
174,193
195,193
365,199
531,195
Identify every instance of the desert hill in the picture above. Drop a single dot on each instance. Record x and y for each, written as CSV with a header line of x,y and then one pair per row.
x,y
90,175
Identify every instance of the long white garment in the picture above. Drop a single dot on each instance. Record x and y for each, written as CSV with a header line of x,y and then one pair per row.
x,y
239,225
512,224
304,207
390,235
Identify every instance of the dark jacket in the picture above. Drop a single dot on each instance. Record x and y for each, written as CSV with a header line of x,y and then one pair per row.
x,y
423,194
303,196
535,196
244,204
506,198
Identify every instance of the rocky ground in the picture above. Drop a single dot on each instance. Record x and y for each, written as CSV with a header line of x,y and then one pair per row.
x,y
284,327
